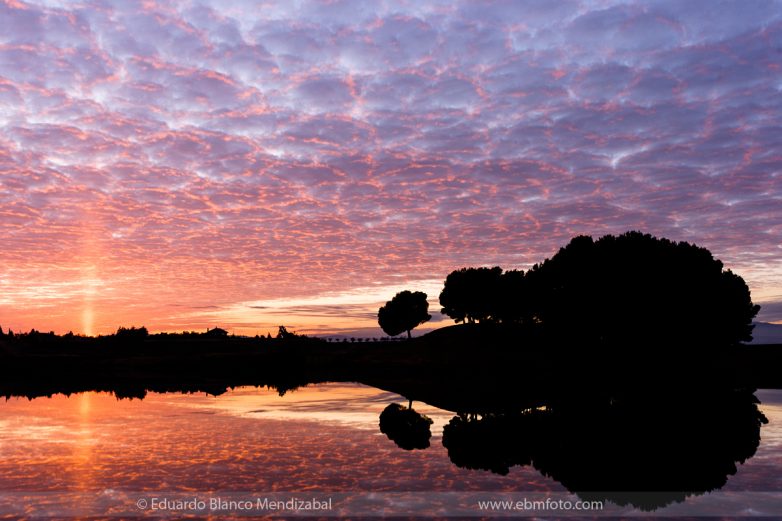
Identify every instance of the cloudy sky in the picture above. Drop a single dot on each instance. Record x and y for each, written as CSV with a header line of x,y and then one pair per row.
x,y
247,164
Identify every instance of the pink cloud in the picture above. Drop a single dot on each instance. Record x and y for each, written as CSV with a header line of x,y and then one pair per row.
x,y
229,154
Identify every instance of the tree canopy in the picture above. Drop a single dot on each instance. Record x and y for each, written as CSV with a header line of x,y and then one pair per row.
x,y
470,294
404,312
635,287
617,289
131,332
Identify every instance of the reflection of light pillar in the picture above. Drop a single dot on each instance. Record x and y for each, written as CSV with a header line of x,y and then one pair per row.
x,y
84,407
84,448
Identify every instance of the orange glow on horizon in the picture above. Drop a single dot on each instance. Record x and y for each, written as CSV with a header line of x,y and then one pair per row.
x,y
92,306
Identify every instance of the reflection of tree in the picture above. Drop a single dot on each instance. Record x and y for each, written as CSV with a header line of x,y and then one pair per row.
x,y
405,427
489,443
646,453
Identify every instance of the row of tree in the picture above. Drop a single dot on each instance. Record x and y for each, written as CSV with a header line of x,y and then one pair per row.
x,y
631,287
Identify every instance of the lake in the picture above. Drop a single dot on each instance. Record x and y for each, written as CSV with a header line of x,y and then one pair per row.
x,y
316,450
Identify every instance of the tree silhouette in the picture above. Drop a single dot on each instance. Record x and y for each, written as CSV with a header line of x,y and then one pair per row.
x,y
131,333
513,302
640,289
470,294
632,288
284,334
404,312
216,332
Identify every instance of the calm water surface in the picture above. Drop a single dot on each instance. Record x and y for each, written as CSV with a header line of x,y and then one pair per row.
x,y
317,438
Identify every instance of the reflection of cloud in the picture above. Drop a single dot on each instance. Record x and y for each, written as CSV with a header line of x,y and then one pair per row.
x,y
296,445
354,405
237,155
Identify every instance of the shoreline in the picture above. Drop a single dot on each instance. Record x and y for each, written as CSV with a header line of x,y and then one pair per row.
x,y
458,364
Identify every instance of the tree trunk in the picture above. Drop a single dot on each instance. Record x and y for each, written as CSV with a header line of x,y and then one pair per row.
x,y
408,334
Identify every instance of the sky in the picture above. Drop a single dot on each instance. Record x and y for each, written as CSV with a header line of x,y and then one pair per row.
x,y
192,164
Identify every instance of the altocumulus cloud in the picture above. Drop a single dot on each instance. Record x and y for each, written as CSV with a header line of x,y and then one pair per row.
x,y
200,152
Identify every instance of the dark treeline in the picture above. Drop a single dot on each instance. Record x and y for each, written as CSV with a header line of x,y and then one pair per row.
x,y
616,290
131,334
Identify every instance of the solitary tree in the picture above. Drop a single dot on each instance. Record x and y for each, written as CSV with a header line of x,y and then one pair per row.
x,y
404,312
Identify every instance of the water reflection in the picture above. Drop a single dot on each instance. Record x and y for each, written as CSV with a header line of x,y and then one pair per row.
x,y
316,438
671,445
406,427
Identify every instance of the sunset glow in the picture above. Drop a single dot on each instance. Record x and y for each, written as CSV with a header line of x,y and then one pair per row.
x,y
191,164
